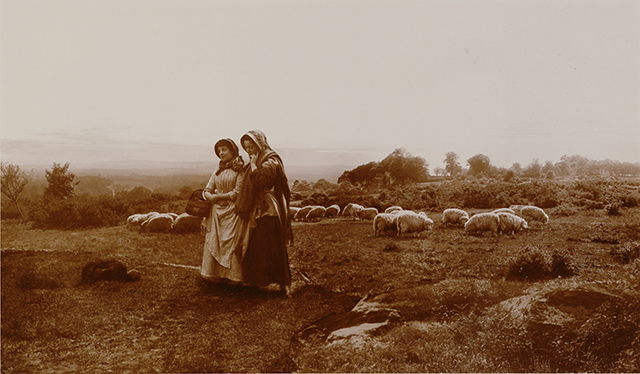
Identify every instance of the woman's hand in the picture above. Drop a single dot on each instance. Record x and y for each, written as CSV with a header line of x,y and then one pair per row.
x,y
212,197
252,160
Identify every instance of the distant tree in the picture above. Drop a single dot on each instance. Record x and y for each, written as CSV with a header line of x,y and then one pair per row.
x,y
516,168
439,171
479,164
61,182
452,166
405,168
13,182
533,170
361,174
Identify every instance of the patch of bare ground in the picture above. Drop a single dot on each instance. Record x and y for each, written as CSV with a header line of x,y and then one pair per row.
x,y
440,285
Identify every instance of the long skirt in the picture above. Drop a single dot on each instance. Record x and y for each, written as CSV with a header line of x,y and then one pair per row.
x,y
266,260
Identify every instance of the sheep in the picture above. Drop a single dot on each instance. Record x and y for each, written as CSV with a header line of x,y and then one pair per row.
x,y
517,208
186,223
510,223
315,214
351,210
332,211
533,213
161,222
504,210
134,221
292,211
367,213
302,213
483,222
383,222
454,216
410,221
392,209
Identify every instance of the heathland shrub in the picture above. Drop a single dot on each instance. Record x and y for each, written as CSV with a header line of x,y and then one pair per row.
x,y
626,252
532,263
87,212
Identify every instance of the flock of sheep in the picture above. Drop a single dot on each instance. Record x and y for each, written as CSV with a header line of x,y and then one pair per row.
x,y
393,219
164,222
500,221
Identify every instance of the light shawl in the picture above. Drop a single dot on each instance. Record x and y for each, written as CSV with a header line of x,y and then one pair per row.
x,y
246,201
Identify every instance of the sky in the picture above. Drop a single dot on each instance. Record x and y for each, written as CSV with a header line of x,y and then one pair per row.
x,y
338,81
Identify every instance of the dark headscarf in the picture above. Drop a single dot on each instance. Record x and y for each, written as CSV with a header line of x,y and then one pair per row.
x,y
236,163
282,191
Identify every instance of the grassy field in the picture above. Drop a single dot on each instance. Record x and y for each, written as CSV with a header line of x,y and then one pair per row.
x,y
171,321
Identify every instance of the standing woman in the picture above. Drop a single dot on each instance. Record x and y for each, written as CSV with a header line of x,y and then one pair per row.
x,y
225,231
265,203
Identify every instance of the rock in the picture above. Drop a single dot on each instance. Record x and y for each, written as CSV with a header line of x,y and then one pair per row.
x,y
366,318
109,270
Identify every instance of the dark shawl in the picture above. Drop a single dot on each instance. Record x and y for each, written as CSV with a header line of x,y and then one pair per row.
x,y
246,199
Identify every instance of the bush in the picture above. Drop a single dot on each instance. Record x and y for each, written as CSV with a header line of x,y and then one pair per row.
x,y
532,264
626,252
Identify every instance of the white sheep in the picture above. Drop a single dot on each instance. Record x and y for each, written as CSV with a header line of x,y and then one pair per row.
x,y
186,223
135,221
293,210
351,210
504,210
367,213
161,222
383,222
454,216
408,221
517,208
510,223
482,222
315,214
332,211
302,212
392,209
533,213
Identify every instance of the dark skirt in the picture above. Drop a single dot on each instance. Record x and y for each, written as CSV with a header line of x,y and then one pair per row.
x,y
266,260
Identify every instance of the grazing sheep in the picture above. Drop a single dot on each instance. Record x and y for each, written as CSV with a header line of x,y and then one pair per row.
x,y
293,210
504,210
134,221
384,222
517,208
409,221
186,223
315,214
332,211
454,216
351,210
510,223
367,213
161,222
302,213
392,209
483,222
533,213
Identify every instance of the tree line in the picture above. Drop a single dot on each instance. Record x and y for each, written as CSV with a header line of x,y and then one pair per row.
x,y
400,167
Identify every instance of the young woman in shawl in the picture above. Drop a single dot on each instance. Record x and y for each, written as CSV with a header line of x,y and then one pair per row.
x,y
226,233
265,204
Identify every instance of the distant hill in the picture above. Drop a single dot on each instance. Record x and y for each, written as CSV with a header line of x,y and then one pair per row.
x,y
309,173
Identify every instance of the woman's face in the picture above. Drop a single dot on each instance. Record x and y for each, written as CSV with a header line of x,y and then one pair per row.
x,y
225,153
250,147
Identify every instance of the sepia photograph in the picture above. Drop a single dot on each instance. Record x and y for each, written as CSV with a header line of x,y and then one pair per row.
x,y
319,186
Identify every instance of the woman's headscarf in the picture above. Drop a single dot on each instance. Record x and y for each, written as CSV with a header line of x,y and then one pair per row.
x,y
236,163
282,191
